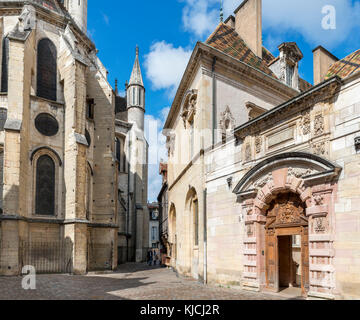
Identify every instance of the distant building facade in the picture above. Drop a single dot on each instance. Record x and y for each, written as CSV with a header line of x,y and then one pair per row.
x,y
263,167
165,244
154,236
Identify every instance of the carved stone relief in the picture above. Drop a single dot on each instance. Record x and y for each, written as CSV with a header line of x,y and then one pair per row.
x,y
258,144
248,152
320,225
263,181
318,199
170,144
286,209
319,148
305,123
227,123
189,106
319,125
300,172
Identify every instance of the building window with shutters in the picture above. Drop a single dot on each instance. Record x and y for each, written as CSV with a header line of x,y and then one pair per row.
x,y
46,70
289,75
45,186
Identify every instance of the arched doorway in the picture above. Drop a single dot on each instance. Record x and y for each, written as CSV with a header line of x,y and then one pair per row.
x,y
289,194
286,244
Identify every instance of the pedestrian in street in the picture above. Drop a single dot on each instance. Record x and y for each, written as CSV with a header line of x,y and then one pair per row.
x,y
149,258
154,257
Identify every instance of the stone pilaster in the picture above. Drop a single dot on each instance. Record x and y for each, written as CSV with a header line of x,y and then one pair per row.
x,y
75,163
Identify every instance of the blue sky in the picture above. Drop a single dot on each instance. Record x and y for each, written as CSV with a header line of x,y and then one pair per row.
x,y
167,31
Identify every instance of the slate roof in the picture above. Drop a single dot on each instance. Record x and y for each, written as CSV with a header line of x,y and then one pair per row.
x,y
136,76
304,85
227,40
345,67
52,5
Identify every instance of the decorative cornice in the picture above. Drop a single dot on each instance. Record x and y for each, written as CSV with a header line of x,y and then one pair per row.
x,y
319,93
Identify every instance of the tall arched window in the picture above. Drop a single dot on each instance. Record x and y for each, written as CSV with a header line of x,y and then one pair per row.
x,y
88,193
118,151
45,186
5,65
46,70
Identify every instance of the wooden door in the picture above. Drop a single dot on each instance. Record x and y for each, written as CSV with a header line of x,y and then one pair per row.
x,y
271,256
305,282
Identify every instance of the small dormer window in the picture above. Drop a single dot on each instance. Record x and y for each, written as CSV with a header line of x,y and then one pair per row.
x,y
289,75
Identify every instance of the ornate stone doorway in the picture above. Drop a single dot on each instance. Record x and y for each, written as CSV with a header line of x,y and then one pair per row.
x,y
289,195
286,221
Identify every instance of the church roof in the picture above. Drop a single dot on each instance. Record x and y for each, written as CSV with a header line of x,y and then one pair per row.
x,y
52,5
136,77
345,67
227,40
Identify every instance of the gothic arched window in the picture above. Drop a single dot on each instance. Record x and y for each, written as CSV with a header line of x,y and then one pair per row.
x,y
118,151
46,70
45,186
5,65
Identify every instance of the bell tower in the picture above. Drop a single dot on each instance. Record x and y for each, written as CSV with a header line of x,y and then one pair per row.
x,y
135,93
78,11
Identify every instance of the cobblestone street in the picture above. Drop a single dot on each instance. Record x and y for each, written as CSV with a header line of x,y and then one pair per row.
x,y
131,281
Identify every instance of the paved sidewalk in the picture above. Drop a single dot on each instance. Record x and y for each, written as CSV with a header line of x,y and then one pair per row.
x,y
131,281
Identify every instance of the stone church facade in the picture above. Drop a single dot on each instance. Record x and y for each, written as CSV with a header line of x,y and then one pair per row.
x,y
59,169
263,168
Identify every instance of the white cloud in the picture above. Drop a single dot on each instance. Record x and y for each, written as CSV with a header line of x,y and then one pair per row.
x,y
106,18
305,17
157,150
200,17
165,65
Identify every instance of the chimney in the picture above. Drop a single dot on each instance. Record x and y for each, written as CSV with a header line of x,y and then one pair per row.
x,y
323,59
230,21
248,24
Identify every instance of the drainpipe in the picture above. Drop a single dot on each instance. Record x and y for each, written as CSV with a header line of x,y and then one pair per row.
x,y
128,202
205,236
214,106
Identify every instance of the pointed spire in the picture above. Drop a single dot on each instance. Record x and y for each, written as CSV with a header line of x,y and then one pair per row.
x,y
116,87
221,11
136,77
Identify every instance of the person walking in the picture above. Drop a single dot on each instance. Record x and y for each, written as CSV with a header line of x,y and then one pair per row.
x,y
149,257
154,257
